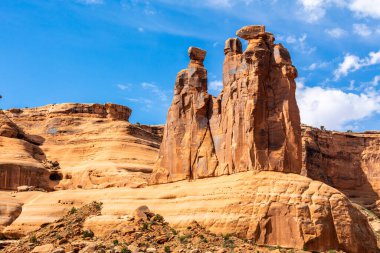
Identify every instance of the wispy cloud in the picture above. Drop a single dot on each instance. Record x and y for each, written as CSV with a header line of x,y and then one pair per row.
x,y
299,43
216,85
336,32
352,63
315,10
91,2
362,30
123,86
317,65
161,94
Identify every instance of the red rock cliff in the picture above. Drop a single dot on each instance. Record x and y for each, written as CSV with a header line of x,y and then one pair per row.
x,y
254,123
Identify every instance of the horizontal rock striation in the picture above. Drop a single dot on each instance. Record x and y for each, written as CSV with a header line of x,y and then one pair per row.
x,y
94,145
108,110
349,162
272,208
253,124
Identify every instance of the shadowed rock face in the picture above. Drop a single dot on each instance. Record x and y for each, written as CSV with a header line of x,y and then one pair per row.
x,y
349,162
253,124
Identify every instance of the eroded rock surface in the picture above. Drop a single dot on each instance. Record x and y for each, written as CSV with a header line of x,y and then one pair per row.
x,y
95,145
253,124
271,208
349,162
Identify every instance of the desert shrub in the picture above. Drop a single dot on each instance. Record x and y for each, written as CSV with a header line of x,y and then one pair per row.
x,y
158,218
33,239
98,205
184,238
144,226
87,234
115,242
73,210
125,250
167,249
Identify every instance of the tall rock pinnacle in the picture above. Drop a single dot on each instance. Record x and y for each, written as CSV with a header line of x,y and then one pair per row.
x,y
186,151
254,124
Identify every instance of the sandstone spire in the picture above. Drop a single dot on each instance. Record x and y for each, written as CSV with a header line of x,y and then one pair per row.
x,y
187,150
253,124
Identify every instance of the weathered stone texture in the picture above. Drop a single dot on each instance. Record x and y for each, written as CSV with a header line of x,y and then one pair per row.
x,y
253,124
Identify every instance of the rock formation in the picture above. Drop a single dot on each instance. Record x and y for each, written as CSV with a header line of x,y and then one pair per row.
x,y
271,208
254,124
94,144
349,162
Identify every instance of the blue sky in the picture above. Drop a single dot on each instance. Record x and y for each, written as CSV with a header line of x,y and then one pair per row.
x,y
129,52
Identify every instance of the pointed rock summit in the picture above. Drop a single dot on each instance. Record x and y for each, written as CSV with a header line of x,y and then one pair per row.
x,y
254,124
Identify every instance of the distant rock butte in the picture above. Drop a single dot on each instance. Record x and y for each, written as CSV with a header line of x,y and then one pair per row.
x,y
95,145
253,124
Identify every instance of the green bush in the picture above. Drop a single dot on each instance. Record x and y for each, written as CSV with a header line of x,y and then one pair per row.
x,y
73,210
115,242
88,234
125,250
33,239
184,238
167,249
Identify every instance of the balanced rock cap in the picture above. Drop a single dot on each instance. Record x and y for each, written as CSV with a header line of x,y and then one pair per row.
x,y
197,54
250,32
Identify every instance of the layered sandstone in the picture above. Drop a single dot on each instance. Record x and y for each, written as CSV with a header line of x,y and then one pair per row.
x,y
349,162
256,206
21,161
94,145
254,123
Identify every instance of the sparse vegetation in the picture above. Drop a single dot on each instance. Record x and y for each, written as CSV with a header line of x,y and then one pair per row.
x,y
87,234
228,242
184,238
98,205
158,218
167,249
144,226
125,250
72,210
115,242
33,239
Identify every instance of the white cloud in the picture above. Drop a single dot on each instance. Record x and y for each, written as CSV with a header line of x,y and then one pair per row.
x,y
140,29
155,90
336,32
218,3
376,80
90,2
123,86
216,85
366,8
334,108
317,65
362,30
299,43
351,63
314,10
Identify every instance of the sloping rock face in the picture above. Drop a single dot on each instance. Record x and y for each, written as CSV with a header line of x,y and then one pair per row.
x,y
349,162
254,124
94,145
272,208
20,159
